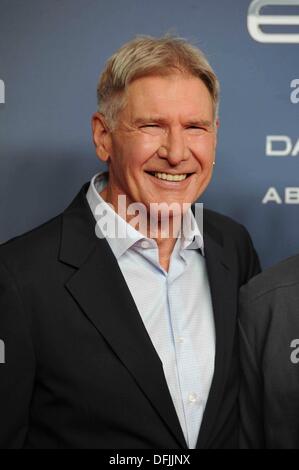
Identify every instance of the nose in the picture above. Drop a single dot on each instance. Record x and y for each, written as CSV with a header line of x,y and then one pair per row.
x,y
174,147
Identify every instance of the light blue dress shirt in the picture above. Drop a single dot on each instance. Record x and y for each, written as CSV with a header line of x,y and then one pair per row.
x,y
175,307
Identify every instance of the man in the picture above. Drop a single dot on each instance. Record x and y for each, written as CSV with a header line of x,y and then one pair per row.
x,y
269,327
130,341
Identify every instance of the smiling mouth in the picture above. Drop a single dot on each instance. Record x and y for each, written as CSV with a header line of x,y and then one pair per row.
x,y
169,176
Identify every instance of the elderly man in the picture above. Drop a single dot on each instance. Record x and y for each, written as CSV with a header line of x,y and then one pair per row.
x,y
127,338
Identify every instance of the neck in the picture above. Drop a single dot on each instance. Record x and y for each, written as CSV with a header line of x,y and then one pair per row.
x,y
165,234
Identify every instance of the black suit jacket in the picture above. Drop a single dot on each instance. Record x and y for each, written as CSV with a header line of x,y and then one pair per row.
x,y
81,370
269,335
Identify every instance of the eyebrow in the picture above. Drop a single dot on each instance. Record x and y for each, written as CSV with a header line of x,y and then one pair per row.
x,y
160,120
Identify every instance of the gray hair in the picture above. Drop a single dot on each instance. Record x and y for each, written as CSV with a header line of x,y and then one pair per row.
x,y
145,56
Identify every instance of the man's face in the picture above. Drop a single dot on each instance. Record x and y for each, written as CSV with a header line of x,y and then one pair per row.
x,y
167,126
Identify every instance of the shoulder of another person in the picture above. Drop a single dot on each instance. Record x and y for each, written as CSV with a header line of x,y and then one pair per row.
x,y
283,276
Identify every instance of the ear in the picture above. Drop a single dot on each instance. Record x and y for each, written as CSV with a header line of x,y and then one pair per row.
x,y
101,136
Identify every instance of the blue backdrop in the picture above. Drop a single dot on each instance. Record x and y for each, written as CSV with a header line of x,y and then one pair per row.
x,y
51,54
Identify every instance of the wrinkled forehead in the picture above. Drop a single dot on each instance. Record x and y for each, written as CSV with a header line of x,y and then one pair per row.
x,y
161,95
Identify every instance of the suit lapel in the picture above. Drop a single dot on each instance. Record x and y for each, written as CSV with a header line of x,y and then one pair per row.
x,y
224,295
100,289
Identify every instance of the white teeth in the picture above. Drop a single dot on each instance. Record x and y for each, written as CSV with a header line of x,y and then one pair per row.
x,y
169,177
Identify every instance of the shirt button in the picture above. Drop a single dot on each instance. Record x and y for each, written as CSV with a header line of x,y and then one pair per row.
x,y
181,339
192,398
144,244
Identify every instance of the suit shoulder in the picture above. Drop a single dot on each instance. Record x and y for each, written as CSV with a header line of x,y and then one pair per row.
x,y
221,220
224,225
33,244
282,276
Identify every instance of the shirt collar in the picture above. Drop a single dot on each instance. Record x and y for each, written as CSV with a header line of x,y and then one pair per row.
x,y
191,238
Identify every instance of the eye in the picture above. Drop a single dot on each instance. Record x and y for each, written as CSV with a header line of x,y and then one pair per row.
x,y
152,129
195,129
